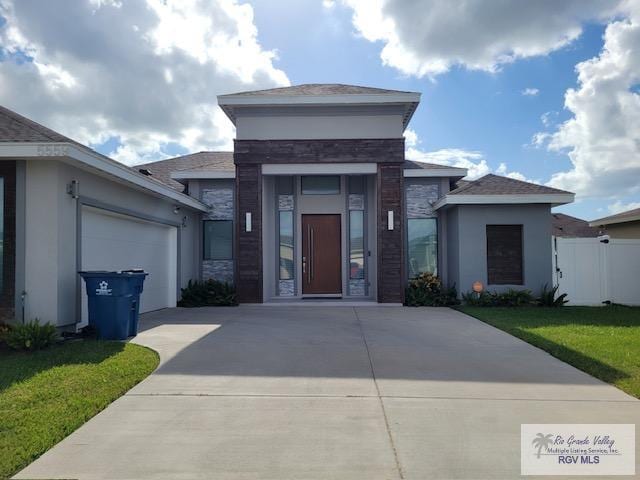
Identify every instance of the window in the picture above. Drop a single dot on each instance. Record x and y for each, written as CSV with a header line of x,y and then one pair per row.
x,y
356,244
218,240
356,184
320,185
504,254
422,236
286,244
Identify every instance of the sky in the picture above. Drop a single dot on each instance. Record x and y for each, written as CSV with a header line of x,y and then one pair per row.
x,y
542,91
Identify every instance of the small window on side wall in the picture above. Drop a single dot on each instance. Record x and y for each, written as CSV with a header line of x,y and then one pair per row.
x,y
218,240
504,255
320,185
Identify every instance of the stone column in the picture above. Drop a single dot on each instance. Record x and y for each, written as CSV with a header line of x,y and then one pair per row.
x,y
391,265
248,252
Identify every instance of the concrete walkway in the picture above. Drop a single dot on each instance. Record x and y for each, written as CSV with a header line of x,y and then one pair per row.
x,y
334,392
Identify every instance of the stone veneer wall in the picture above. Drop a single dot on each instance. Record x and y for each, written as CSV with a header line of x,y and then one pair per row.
x,y
421,194
218,194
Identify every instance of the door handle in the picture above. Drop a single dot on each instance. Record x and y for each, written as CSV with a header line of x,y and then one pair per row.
x,y
313,254
309,253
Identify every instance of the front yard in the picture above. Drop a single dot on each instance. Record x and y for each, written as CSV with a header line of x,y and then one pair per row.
x,y
46,395
602,341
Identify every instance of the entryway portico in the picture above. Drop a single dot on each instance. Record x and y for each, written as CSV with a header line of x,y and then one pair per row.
x,y
319,232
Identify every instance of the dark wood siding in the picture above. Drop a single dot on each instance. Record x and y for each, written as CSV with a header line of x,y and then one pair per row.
x,y
504,255
390,242
249,244
387,150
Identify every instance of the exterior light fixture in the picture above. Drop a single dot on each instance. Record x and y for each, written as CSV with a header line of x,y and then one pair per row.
x,y
247,222
390,220
176,209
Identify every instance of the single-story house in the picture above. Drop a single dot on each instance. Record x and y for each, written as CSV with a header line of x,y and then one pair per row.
x,y
621,225
317,200
566,226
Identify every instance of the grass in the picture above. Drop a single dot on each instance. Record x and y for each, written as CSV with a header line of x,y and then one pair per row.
x,y
46,395
602,341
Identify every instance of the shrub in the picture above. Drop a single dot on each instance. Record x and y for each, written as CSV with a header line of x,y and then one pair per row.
x,y
4,331
208,293
510,298
548,298
426,290
31,336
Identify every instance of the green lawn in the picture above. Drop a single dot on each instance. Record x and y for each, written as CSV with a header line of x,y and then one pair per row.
x,y
602,341
46,395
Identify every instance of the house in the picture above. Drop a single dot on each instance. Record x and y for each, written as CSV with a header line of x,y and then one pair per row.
x,y
566,226
621,225
317,200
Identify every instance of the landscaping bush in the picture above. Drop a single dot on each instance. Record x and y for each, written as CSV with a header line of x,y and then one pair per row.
x,y
209,293
510,298
426,290
548,298
31,336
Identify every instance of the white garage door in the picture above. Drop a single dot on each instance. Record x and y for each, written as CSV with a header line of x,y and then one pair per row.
x,y
116,242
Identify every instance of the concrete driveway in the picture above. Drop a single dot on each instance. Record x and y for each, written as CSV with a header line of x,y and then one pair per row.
x,y
330,392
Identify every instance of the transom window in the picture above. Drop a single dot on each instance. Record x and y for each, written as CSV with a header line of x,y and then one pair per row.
x,y
320,185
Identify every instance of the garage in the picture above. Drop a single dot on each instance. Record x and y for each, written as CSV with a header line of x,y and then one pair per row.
x,y
112,241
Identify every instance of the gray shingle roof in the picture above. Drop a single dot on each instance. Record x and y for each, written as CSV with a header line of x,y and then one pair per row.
x,y
571,227
319,89
414,165
496,185
16,128
161,170
628,216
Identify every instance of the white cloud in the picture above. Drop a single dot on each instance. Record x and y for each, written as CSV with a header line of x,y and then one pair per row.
x,y
473,161
147,73
602,138
548,118
619,206
428,37
530,92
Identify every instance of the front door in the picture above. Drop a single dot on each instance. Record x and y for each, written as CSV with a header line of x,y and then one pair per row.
x,y
321,258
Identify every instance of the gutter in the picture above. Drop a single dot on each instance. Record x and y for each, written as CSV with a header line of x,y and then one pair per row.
x,y
89,158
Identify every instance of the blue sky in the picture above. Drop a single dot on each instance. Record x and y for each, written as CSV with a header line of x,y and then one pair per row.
x,y
138,80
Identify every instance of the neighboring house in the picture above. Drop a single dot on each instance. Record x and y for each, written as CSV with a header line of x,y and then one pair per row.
x,y
621,225
566,226
316,200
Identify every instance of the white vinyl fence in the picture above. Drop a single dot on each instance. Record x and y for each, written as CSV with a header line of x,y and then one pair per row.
x,y
596,270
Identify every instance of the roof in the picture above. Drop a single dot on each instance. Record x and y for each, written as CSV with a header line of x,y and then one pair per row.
x,y
622,217
21,137
494,189
414,168
571,227
203,161
497,185
16,128
320,94
318,89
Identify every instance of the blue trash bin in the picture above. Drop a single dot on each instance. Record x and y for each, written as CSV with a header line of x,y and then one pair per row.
x,y
138,276
114,299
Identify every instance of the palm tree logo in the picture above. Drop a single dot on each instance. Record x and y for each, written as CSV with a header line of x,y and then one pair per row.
x,y
542,441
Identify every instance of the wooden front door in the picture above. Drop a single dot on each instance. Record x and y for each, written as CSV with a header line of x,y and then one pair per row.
x,y
321,257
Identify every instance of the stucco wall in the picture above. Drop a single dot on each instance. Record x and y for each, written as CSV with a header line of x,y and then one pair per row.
x,y
307,123
622,230
468,253
50,233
